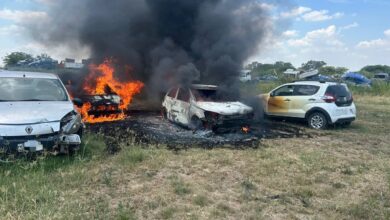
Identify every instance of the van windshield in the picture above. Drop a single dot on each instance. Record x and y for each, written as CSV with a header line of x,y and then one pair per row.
x,y
31,89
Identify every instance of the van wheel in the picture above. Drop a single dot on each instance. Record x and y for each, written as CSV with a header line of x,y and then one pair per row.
x,y
317,120
196,124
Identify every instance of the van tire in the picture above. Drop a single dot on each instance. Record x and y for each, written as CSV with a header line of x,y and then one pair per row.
x,y
317,120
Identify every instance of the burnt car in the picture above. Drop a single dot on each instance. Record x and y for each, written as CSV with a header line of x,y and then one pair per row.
x,y
37,114
105,104
203,106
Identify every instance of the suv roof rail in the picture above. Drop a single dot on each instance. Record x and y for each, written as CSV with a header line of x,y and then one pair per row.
x,y
309,80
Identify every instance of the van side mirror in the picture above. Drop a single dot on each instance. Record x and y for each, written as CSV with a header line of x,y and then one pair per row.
x,y
78,102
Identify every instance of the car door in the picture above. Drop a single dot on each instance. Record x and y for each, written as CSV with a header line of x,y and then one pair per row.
x,y
278,103
170,101
182,106
303,96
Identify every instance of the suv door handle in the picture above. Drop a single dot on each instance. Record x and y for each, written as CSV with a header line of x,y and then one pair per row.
x,y
312,100
287,100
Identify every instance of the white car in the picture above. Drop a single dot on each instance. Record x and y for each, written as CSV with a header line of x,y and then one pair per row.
x,y
201,106
36,114
320,103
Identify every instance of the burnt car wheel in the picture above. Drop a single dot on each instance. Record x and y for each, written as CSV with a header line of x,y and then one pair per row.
x,y
317,121
196,124
164,113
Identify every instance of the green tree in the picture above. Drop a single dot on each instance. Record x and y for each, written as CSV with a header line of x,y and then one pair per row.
x,y
44,56
269,69
331,70
312,65
15,57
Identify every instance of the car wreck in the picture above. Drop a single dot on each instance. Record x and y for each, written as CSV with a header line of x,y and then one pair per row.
x,y
101,105
37,114
203,107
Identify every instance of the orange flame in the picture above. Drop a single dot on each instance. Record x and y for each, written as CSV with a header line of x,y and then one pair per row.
x,y
100,77
245,129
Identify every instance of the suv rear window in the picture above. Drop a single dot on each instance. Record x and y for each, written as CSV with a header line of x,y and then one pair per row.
x,y
338,90
341,93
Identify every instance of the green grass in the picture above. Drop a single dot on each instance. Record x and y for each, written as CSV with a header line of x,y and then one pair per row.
x,y
337,174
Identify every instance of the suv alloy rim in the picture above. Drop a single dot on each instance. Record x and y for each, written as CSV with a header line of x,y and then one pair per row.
x,y
317,122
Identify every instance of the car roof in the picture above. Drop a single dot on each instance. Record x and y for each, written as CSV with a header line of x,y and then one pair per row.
x,y
24,74
202,86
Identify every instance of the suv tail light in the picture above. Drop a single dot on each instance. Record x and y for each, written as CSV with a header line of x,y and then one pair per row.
x,y
329,98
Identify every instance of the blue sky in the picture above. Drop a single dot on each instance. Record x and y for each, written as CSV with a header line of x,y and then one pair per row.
x,y
350,33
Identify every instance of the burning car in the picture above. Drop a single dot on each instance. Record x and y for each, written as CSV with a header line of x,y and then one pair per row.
x,y
105,104
202,106
37,114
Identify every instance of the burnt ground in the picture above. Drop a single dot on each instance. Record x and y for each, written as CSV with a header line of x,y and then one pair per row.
x,y
151,128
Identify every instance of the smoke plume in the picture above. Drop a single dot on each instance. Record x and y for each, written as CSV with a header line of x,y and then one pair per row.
x,y
165,41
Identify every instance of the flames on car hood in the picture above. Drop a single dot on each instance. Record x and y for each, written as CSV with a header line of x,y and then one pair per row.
x,y
16,113
225,108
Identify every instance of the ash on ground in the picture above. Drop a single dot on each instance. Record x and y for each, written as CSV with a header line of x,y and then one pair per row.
x,y
152,129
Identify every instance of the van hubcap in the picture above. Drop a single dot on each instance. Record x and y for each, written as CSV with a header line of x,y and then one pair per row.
x,y
317,122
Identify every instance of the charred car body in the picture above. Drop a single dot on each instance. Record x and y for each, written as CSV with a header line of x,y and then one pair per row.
x,y
201,106
101,105
36,114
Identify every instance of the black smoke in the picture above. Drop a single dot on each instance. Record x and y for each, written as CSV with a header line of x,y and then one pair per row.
x,y
165,41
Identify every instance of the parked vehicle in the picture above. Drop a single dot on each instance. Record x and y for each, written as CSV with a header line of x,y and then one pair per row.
x,y
319,103
320,77
356,79
202,106
245,76
101,105
382,77
46,63
36,114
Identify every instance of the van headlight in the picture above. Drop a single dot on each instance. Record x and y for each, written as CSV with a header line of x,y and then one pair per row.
x,y
71,123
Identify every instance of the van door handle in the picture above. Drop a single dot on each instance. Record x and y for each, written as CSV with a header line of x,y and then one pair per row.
x,y
287,100
312,100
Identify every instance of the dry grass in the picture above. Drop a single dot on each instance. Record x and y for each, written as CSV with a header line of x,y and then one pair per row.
x,y
341,174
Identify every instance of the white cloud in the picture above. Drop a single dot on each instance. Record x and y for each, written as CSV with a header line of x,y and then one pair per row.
x,y
381,43
290,33
322,15
350,26
321,37
295,12
387,33
22,16
11,30
310,15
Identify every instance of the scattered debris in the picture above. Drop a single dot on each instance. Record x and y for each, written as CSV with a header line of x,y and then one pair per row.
x,y
151,128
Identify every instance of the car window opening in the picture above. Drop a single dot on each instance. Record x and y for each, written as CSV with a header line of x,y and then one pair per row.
x,y
210,95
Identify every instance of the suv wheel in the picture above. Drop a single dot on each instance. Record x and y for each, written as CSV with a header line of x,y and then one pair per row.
x,y
317,120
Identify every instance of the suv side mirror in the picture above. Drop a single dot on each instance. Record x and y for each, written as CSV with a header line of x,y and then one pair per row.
x,y
78,102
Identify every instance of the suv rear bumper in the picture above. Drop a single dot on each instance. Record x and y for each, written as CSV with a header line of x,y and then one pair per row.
x,y
345,120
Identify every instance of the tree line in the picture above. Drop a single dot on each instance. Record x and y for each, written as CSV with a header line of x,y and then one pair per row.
x,y
278,68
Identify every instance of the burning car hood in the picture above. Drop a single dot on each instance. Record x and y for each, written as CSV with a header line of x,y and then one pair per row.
x,y
225,108
14,113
